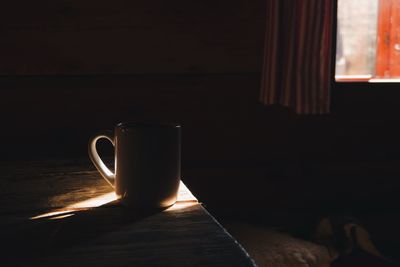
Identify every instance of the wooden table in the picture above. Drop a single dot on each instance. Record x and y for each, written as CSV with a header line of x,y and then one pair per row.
x,y
62,213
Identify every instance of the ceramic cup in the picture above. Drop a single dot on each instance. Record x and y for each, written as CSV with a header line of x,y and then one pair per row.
x,y
147,163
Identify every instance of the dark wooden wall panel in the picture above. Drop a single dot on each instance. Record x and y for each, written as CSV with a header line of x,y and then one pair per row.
x,y
213,109
92,37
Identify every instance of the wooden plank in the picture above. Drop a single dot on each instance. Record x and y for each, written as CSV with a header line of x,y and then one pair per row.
x,y
61,113
109,235
193,239
395,40
91,14
34,187
66,185
383,39
388,46
92,37
213,48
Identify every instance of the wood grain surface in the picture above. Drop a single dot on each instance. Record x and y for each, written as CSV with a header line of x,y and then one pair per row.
x,y
96,37
108,235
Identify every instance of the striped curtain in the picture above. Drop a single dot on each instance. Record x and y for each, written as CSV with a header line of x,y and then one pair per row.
x,y
297,69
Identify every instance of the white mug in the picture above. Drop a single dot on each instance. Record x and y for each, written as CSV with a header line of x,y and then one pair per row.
x,y
147,163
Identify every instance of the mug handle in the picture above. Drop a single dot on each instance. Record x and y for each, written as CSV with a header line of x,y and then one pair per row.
x,y
108,175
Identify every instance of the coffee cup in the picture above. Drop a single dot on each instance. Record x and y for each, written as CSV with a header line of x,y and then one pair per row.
x,y
147,163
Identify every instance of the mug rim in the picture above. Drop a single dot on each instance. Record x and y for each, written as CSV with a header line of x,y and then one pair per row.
x,y
147,124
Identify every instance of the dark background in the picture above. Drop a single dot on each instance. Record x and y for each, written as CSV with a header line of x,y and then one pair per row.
x,y
69,68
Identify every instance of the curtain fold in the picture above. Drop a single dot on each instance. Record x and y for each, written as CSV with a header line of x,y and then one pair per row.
x,y
297,66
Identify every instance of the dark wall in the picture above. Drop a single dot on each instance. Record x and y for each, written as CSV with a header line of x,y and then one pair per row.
x,y
70,68
91,37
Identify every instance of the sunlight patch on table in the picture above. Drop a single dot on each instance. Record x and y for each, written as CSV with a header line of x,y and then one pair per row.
x,y
185,199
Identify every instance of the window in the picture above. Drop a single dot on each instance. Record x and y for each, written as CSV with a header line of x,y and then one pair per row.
x,y
368,41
